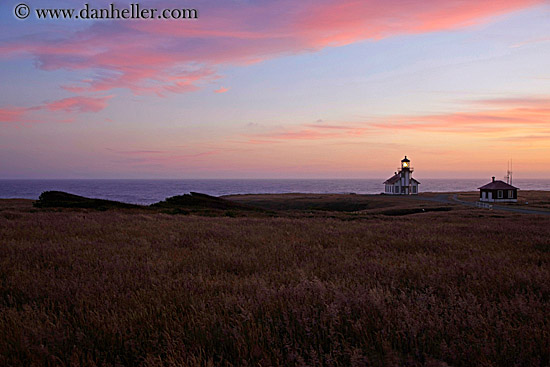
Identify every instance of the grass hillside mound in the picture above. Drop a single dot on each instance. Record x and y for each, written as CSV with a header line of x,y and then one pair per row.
x,y
195,200
59,199
246,205
182,204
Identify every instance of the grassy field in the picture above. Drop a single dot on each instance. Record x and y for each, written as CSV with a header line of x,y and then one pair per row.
x,y
341,280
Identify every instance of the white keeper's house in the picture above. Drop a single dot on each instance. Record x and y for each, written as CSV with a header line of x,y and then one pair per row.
x,y
498,191
402,183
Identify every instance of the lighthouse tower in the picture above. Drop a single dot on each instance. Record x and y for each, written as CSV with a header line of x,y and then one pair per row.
x,y
406,172
402,183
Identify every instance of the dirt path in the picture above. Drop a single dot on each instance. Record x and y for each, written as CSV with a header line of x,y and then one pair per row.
x,y
453,199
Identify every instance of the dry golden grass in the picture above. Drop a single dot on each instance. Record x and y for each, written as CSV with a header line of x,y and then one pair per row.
x,y
340,203
86,288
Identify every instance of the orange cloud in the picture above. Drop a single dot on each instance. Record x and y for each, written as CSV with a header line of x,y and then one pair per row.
x,y
527,138
489,116
515,101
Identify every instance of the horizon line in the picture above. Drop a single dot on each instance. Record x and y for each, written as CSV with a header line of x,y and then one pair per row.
x,y
263,178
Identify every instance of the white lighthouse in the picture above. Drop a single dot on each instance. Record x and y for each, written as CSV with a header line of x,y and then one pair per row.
x,y
402,182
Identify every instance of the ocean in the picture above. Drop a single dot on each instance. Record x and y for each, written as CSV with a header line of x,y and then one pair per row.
x,y
151,191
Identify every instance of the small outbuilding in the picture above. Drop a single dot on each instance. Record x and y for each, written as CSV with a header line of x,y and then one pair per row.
x,y
498,192
402,183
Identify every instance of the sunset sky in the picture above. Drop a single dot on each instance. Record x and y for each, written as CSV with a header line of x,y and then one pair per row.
x,y
278,89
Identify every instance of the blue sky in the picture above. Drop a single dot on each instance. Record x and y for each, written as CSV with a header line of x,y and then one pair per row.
x,y
459,94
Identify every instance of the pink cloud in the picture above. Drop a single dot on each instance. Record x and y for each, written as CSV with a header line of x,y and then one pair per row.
x,y
309,132
531,41
162,158
175,56
344,22
12,114
221,90
79,104
301,135
138,152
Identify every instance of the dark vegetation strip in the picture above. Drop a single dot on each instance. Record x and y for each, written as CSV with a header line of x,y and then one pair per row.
x,y
196,203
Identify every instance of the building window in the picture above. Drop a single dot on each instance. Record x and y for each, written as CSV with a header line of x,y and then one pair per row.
x,y
414,189
500,194
511,194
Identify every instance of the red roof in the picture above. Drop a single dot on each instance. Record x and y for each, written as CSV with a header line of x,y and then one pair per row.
x,y
498,185
395,178
392,180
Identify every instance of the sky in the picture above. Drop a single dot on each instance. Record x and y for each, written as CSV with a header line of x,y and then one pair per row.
x,y
278,89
